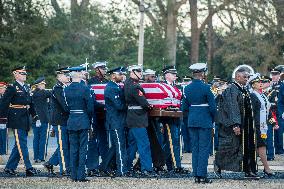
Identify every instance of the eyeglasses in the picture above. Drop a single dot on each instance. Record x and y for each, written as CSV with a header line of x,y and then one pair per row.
x,y
22,73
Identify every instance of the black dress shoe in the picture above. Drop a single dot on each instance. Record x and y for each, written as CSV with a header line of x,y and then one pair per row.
x,y
148,174
181,170
49,169
268,174
251,175
270,159
204,180
32,172
93,173
83,180
196,180
10,172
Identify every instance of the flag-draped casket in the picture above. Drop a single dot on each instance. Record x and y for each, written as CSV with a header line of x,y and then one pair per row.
x,y
160,95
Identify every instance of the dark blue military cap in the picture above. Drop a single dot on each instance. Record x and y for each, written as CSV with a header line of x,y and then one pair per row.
x,y
169,69
20,69
118,70
62,70
40,80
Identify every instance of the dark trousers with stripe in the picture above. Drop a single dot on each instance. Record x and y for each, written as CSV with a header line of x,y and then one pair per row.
x,y
78,153
278,137
3,141
19,151
269,142
172,141
61,155
40,140
117,150
97,146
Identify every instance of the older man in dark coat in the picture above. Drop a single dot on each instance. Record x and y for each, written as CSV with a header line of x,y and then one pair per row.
x,y
236,151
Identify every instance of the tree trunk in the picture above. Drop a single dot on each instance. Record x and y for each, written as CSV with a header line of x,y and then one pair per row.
x,y
210,40
195,34
171,35
279,7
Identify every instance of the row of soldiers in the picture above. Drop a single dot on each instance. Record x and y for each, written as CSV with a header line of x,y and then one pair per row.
x,y
123,121
72,110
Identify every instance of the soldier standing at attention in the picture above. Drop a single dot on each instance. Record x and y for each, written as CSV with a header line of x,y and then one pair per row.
x,y
137,121
17,106
59,116
80,105
40,127
200,103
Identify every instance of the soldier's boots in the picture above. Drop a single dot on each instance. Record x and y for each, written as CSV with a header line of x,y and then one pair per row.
x,y
202,180
49,169
32,172
148,174
10,172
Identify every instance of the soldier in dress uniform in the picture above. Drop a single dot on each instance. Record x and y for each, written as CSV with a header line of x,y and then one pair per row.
x,y
278,137
3,129
59,116
154,133
98,142
202,108
173,126
115,122
273,99
137,121
272,117
17,106
40,127
80,105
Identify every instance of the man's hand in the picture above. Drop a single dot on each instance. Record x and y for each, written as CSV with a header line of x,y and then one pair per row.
x,y
237,130
276,127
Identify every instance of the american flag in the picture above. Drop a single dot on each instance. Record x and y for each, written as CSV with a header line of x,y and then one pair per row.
x,y
160,95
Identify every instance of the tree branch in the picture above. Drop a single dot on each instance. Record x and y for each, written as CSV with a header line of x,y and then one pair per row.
x,y
162,8
56,7
179,4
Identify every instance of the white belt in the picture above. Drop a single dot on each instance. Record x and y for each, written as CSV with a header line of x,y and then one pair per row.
x,y
77,111
135,108
200,105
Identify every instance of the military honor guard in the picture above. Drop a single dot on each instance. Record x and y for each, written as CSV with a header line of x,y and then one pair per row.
x,y
98,141
172,129
58,120
16,105
200,103
40,98
272,117
3,129
137,121
116,122
80,105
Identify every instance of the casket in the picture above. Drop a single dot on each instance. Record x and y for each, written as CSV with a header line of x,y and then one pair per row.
x,y
160,95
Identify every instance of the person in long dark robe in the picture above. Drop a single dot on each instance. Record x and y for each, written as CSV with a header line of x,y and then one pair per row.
x,y
236,150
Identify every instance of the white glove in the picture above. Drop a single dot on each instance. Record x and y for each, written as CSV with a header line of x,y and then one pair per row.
x,y
283,115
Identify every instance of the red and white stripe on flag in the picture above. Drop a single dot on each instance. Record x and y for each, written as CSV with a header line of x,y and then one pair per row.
x,y
160,95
